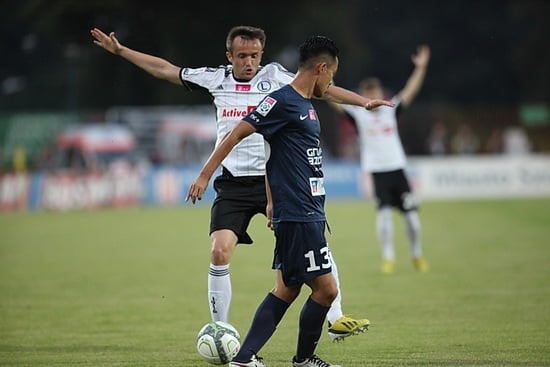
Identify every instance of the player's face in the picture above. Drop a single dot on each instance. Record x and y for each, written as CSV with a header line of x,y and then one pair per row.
x,y
245,56
326,75
373,93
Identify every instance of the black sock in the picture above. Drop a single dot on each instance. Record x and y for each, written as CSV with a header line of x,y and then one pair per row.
x,y
312,318
268,315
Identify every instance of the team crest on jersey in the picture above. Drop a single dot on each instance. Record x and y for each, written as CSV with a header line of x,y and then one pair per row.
x,y
266,106
264,86
312,115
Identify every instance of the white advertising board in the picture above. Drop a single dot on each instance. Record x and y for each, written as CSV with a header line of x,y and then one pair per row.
x,y
481,177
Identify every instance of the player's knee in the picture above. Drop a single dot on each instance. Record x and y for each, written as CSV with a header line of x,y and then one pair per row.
x,y
331,294
221,252
285,293
326,295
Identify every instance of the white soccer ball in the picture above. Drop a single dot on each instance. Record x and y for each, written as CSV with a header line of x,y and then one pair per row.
x,y
218,342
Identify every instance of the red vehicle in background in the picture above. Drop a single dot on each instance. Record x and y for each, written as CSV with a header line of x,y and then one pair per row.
x,y
93,147
94,165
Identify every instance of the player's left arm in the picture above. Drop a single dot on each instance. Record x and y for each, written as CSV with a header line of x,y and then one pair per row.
x,y
232,138
335,94
415,81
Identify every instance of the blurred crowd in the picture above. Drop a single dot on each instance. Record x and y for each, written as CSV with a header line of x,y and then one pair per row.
x,y
464,140
441,139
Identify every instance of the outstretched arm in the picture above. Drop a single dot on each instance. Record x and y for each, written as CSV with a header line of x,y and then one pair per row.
x,y
415,81
232,138
340,95
157,67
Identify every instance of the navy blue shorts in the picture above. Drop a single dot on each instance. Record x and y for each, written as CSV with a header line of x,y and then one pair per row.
x,y
301,251
237,200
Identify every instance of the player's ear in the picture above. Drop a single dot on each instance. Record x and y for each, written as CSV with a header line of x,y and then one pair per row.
x,y
323,67
229,56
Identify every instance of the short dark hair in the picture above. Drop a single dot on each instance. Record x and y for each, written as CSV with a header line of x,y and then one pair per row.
x,y
316,47
245,32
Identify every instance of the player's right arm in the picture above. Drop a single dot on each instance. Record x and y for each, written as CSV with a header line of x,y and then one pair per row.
x,y
157,67
222,150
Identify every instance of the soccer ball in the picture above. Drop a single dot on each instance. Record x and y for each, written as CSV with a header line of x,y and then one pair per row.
x,y
218,342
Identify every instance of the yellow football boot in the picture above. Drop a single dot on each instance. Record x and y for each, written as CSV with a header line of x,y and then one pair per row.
x,y
420,264
387,266
346,326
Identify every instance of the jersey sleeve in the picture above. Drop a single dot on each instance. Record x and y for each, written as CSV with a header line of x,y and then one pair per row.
x,y
205,77
398,106
268,117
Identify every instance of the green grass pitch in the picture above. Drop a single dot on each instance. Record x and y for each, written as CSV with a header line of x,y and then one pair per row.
x,y
127,287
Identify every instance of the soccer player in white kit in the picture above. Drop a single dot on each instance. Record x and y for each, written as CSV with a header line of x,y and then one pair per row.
x,y
383,157
240,188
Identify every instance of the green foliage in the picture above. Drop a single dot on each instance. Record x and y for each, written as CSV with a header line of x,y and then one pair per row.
x,y
128,287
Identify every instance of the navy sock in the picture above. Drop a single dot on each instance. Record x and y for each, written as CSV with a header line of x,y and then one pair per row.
x,y
312,318
268,315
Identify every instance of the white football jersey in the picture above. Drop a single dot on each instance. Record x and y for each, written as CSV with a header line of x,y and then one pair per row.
x,y
233,101
381,148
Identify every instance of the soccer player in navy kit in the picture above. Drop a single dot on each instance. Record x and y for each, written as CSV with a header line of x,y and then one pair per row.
x,y
291,129
240,188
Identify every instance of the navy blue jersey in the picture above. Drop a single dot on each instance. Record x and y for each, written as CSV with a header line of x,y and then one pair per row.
x,y
290,126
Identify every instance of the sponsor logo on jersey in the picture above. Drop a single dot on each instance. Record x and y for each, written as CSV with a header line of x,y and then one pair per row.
x,y
317,186
266,106
236,112
315,156
243,87
380,130
264,86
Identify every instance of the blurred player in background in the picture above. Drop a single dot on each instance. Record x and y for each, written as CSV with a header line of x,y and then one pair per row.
x,y
237,88
383,157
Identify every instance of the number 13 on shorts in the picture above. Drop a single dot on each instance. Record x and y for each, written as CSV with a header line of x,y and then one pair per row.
x,y
325,257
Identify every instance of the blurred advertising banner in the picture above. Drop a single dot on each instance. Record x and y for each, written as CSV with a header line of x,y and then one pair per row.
x,y
480,177
87,191
445,178
70,191
14,191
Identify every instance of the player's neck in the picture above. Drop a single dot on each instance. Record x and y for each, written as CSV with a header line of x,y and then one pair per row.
x,y
303,86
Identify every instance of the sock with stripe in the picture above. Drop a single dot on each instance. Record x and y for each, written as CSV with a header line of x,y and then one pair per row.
x,y
219,292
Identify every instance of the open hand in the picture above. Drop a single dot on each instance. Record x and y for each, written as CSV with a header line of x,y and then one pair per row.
x,y
109,43
422,56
